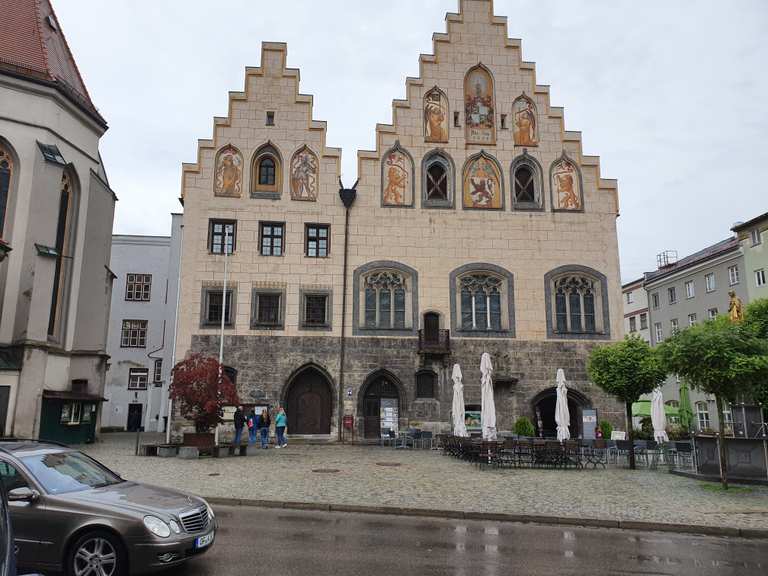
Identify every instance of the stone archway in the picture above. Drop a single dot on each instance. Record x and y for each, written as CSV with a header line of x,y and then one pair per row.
x,y
309,402
380,399
543,405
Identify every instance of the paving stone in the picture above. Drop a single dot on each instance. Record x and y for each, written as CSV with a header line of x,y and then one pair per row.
x,y
428,480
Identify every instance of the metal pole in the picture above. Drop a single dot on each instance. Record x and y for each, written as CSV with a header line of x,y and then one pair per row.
x,y
175,331
223,317
347,196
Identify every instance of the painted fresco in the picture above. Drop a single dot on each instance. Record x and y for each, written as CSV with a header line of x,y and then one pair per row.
x,y
397,178
482,184
435,116
229,172
526,128
479,107
304,175
566,185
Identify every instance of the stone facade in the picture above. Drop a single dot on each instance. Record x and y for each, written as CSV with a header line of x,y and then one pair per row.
x,y
443,222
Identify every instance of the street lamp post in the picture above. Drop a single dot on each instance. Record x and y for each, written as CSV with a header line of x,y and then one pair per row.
x,y
225,249
347,196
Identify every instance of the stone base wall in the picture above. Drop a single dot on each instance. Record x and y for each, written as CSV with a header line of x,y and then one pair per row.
x,y
266,366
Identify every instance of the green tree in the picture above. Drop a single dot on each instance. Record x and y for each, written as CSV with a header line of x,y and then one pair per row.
x,y
756,321
721,358
627,370
524,427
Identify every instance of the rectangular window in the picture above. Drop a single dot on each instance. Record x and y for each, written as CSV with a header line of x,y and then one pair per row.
x,y
316,310
691,319
70,413
137,378
659,332
134,334
214,306
270,118
754,235
630,298
702,413
633,324
138,287
675,325
712,313
655,300
690,289
316,240
672,294
760,277
219,233
157,375
733,275
267,310
709,280
272,238
643,321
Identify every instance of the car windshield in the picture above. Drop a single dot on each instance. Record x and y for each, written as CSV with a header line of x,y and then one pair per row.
x,y
62,472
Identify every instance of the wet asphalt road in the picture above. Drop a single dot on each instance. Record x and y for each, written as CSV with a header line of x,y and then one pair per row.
x,y
257,541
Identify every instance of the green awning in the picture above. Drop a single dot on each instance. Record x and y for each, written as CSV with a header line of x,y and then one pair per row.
x,y
642,409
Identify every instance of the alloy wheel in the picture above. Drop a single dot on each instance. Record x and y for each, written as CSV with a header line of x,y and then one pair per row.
x,y
95,557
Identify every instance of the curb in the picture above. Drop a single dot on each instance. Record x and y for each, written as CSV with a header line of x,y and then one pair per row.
x,y
752,533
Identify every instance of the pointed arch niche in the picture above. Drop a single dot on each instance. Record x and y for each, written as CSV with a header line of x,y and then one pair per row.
x,y
566,185
527,183
438,180
228,180
436,114
267,173
482,183
397,181
304,175
526,123
479,106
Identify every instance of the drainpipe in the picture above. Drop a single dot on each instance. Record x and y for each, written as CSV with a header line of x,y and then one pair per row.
x,y
347,196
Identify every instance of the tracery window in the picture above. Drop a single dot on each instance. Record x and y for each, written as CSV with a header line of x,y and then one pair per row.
x,y
575,305
6,170
385,293
64,238
481,302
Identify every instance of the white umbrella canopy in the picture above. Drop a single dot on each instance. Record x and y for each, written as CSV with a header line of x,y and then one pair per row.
x,y
457,408
562,414
659,416
488,407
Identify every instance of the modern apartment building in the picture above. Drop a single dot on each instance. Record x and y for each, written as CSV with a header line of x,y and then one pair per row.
x,y
753,237
142,324
636,310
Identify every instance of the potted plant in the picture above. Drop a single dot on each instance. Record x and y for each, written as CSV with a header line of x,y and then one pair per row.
x,y
524,427
201,389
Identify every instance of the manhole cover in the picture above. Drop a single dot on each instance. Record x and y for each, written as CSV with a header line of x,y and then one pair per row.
x,y
325,470
214,474
390,464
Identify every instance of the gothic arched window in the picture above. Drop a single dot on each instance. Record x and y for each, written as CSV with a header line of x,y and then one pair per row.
x,y
64,248
385,300
437,180
266,173
6,171
481,302
526,183
577,303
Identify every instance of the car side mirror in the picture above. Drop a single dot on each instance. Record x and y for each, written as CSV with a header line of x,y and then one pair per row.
x,y
23,494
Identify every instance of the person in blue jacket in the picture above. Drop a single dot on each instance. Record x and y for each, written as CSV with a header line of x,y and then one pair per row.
x,y
281,421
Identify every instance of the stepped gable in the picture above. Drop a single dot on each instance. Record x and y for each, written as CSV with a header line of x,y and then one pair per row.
x,y
476,17
273,59
33,47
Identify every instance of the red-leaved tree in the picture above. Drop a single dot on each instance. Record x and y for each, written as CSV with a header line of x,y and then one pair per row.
x,y
201,392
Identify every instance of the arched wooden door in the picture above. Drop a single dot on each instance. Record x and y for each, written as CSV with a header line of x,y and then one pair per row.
x,y
308,404
379,391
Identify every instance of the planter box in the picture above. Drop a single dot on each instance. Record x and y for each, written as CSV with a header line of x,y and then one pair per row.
x,y
189,452
222,451
167,451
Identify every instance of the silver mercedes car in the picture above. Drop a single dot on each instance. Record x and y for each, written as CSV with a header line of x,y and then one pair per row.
x,y
70,513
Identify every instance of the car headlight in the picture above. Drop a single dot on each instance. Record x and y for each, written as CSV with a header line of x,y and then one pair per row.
x,y
175,528
157,526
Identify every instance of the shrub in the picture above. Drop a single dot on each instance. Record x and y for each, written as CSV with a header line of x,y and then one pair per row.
x,y
524,427
606,429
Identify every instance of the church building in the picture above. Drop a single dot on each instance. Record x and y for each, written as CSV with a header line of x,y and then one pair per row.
x,y
477,225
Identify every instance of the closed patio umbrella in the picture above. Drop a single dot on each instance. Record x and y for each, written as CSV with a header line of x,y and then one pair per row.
x,y
457,408
488,413
659,416
562,414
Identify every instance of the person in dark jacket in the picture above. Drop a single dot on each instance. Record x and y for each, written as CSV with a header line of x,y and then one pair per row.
x,y
239,424
253,426
264,422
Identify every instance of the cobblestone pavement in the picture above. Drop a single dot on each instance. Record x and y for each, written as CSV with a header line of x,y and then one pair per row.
x,y
375,476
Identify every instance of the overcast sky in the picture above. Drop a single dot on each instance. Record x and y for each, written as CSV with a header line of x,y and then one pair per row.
x,y
672,95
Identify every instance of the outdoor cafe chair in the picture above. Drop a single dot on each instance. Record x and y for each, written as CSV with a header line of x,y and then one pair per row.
x,y
596,454
622,450
426,439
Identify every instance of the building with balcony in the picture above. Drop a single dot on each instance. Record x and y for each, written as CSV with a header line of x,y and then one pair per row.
x,y
478,225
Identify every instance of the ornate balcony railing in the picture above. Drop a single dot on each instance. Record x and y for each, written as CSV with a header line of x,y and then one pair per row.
x,y
435,342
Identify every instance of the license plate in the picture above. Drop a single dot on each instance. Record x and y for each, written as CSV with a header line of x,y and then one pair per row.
x,y
204,541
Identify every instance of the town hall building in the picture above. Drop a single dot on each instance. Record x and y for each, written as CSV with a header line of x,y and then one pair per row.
x,y
477,225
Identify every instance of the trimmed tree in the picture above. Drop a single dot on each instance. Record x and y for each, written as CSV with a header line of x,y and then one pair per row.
x,y
627,370
202,390
756,321
721,358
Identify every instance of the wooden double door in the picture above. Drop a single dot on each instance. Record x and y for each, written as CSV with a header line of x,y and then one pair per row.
x,y
309,404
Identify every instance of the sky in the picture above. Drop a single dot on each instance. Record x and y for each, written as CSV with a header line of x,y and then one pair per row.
x,y
670,94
